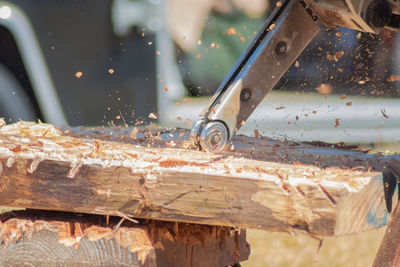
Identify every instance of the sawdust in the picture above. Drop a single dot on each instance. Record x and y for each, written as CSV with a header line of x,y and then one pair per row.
x,y
172,163
24,128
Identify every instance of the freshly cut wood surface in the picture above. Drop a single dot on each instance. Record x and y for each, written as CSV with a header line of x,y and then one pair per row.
x,y
40,238
42,169
315,153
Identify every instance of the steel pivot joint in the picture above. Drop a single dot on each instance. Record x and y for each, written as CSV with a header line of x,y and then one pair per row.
x,y
279,42
268,56
210,136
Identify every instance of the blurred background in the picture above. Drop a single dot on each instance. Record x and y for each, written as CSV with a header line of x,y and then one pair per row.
x,y
113,63
84,63
80,62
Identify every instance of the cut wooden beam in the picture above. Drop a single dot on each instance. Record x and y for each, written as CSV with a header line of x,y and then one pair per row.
x,y
260,148
33,238
41,169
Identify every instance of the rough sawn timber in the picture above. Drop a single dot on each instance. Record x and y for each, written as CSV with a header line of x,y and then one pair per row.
x,y
41,169
45,238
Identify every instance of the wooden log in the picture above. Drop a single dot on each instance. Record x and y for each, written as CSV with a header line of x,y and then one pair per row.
x,y
389,251
30,238
41,169
259,148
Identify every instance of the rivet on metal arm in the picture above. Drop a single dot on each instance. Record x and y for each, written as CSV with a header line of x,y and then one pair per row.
x,y
281,48
245,94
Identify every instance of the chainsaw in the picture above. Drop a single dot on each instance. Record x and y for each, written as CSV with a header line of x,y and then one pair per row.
x,y
285,34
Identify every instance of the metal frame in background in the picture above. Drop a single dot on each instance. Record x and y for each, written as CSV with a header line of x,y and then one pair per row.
x,y
14,19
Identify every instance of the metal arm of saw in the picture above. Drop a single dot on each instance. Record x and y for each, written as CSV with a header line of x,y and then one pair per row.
x,y
283,37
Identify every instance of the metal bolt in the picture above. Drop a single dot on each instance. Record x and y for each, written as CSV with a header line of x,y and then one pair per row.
x,y
281,48
245,94
213,136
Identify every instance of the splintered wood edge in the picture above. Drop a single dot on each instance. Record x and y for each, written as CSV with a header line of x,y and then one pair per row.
x,y
148,241
301,198
70,234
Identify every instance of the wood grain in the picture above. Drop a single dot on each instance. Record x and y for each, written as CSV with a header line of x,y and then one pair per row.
x,y
33,238
389,251
41,169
